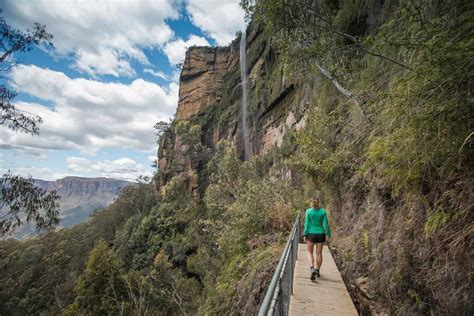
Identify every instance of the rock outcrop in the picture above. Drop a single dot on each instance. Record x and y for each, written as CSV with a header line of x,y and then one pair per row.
x,y
210,96
202,77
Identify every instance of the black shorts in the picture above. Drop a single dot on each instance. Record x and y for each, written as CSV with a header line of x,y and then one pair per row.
x,y
316,238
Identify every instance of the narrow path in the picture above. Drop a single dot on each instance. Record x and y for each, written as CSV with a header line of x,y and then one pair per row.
x,y
325,296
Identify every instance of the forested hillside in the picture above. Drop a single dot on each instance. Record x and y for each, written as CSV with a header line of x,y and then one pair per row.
x,y
365,103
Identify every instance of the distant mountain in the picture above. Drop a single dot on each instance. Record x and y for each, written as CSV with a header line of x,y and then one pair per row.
x,y
79,198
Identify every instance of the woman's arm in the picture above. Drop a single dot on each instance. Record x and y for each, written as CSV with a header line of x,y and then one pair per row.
x,y
306,223
326,225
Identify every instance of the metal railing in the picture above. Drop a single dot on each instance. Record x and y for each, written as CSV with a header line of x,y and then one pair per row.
x,y
277,297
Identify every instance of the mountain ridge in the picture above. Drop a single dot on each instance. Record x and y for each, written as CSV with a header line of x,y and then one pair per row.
x,y
79,198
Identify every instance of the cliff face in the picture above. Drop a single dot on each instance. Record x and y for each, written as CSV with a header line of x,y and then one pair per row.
x,y
210,96
202,78
86,187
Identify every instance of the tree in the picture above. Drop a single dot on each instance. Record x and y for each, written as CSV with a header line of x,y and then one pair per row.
x,y
18,194
322,34
161,127
101,289
12,42
106,288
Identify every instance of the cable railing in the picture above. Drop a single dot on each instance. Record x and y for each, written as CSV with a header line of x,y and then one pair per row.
x,y
277,297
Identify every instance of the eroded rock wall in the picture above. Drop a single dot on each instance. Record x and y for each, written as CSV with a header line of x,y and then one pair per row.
x,y
210,96
202,77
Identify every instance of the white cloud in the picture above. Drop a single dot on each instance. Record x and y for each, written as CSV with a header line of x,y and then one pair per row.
x,y
102,35
150,158
174,76
123,168
103,61
219,19
175,50
37,173
89,115
158,74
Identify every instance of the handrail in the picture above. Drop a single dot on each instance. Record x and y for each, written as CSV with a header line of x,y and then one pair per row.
x,y
274,291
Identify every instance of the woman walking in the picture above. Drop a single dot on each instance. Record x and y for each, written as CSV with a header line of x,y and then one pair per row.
x,y
316,227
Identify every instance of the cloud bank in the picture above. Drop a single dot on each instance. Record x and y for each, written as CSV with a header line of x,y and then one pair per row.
x,y
175,50
89,115
218,19
103,36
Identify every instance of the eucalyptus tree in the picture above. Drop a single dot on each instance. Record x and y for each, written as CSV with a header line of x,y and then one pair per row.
x,y
20,199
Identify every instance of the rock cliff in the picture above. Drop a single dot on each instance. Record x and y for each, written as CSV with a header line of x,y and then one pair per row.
x,y
202,78
210,96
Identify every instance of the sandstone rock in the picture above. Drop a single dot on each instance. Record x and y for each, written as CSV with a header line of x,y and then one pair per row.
x,y
290,120
202,77
273,136
362,286
301,124
255,70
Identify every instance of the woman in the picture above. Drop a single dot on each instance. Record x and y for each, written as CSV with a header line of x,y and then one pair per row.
x,y
316,228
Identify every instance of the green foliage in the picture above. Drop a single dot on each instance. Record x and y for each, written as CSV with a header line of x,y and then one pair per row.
x,y
159,244
14,42
21,201
366,241
246,208
17,194
51,264
405,133
324,147
100,289
191,134
408,65
238,280
437,220
161,128
411,129
105,288
245,200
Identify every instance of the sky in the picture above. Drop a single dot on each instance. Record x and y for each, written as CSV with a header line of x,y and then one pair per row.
x,y
111,75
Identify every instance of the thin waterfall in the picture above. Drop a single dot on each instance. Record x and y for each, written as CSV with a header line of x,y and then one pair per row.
x,y
244,106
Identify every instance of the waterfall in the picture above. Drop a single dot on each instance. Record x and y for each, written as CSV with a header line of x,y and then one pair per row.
x,y
244,106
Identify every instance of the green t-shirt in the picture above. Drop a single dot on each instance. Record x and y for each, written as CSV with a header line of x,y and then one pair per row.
x,y
316,222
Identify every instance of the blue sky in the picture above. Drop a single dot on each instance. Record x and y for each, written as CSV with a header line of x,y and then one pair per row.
x,y
109,78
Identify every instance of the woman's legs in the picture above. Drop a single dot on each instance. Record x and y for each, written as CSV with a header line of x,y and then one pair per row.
x,y
309,252
319,255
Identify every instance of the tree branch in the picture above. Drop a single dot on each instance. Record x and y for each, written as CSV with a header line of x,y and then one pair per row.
x,y
338,86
